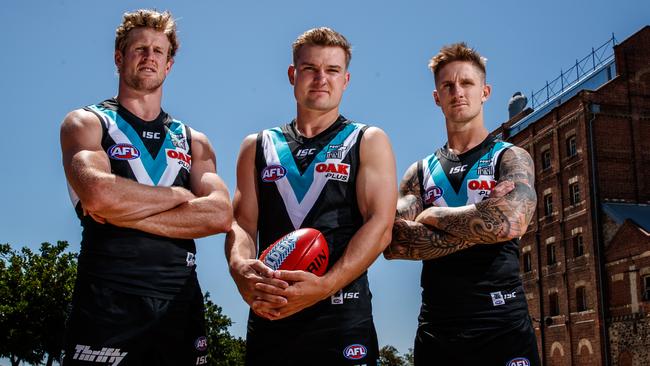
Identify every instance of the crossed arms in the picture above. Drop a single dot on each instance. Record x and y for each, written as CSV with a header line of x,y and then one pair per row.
x,y
420,234
167,211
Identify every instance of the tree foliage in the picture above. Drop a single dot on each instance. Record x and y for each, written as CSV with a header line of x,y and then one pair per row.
x,y
389,356
223,348
35,292
35,298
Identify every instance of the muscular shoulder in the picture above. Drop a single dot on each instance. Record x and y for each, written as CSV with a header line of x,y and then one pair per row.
x,y
201,147
374,138
80,118
80,128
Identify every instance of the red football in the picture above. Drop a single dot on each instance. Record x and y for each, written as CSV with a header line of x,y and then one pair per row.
x,y
303,249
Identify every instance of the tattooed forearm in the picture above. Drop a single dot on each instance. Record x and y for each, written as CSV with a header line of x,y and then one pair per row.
x,y
409,204
495,219
415,241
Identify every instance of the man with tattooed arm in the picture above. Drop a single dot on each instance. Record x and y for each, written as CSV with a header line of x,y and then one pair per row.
x,y
461,211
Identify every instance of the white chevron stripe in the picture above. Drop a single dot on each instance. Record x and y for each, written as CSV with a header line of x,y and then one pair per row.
x,y
298,210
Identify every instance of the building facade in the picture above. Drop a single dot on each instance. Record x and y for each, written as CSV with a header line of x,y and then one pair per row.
x,y
586,257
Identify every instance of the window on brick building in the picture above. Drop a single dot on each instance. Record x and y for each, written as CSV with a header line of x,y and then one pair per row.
x,y
571,147
578,246
646,288
550,254
546,159
548,205
574,194
528,264
554,304
581,298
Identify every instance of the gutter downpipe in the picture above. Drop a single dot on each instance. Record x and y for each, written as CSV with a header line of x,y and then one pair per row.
x,y
594,109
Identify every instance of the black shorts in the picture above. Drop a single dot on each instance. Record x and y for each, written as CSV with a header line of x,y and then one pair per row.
x,y
509,345
337,331
108,327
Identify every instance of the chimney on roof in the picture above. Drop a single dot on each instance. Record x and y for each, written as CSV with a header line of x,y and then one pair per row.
x,y
516,104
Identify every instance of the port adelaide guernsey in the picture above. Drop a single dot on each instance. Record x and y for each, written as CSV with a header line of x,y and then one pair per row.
x,y
481,282
155,153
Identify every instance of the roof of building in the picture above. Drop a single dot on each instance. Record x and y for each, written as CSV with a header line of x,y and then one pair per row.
x,y
637,212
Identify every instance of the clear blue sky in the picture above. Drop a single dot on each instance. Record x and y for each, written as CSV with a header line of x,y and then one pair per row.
x,y
229,80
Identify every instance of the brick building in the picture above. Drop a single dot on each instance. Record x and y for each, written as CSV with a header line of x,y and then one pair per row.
x,y
586,257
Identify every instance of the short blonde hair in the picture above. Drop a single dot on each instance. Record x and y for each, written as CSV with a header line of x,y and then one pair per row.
x,y
325,37
162,22
457,52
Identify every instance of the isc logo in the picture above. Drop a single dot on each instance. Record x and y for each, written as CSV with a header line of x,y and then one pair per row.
x,y
432,194
519,361
123,152
355,352
273,172
457,169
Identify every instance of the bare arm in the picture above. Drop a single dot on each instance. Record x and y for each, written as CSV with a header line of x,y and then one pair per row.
x,y
413,240
241,249
498,218
88,171
209,213
376,198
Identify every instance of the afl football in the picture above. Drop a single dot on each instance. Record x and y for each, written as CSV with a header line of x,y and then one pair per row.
x,y
304,249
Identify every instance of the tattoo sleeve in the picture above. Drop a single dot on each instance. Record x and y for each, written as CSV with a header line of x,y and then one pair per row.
x,y
413,240
495,219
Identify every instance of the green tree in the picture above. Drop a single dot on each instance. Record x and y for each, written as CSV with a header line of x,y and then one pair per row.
x,y
409,359
388,356
223,348
35,293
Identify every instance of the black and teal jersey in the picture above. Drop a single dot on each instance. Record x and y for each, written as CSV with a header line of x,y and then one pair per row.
x,y
309,182
155,153
480,282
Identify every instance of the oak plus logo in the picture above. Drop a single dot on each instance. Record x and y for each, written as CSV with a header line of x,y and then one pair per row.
x,y
181,158
334,171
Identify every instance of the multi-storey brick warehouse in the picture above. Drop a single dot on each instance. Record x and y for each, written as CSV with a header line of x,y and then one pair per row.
x,y
586,256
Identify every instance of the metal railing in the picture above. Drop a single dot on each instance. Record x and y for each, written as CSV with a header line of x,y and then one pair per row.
x,y
574,74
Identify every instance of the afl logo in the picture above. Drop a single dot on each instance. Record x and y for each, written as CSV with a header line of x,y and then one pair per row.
x,y
201,344
432,194
519,361
123,152
273,172
355,352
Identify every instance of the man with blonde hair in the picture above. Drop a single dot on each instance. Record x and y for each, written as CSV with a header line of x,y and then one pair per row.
x,y
144,185
461,211
298,318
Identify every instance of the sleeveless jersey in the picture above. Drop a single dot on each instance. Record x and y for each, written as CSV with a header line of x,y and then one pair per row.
x,y
481,282
155,153
310,182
